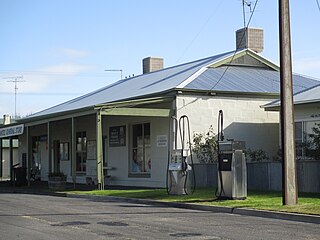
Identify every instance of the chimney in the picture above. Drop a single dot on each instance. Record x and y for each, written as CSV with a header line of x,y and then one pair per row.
x,y
151,64
250,38
6,119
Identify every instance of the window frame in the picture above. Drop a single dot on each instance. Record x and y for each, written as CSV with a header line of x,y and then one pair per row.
x,y
81,152
146,144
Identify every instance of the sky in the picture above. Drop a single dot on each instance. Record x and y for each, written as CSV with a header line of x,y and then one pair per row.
x,y
61,48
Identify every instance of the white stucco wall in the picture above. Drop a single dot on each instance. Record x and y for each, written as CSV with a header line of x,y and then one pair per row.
x,y
244,120
118,157
307,112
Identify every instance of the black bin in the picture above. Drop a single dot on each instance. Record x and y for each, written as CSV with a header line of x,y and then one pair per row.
x,y
20,176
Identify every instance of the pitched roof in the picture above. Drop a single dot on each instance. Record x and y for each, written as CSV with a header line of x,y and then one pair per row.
x,y
310,95
259,76
246,79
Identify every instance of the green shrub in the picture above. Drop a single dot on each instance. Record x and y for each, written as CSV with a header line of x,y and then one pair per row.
x,y
205,146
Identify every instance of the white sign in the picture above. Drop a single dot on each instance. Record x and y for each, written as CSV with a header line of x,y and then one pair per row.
x,y
11,131
162,141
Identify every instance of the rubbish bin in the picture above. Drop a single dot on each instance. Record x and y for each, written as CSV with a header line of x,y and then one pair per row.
x,y
20,174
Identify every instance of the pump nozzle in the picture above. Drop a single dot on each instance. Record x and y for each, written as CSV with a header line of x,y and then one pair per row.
x,y
220,126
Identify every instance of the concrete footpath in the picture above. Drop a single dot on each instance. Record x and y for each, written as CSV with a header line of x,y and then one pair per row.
x,y
42,189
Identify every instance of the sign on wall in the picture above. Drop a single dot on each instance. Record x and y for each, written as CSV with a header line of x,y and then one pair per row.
x,y
117,136
11,131
162,141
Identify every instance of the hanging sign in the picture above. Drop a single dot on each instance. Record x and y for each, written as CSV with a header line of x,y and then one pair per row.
x,y
11,131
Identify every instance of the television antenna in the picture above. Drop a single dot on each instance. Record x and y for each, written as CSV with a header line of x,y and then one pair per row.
x,y
115,70
15,80
247,4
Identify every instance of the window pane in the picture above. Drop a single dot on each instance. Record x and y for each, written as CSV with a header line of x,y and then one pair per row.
x,y
140,151
298,130
147,129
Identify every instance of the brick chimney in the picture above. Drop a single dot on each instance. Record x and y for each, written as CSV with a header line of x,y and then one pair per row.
x,y
251,38
151,64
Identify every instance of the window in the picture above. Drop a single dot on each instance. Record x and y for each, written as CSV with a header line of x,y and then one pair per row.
x,y
64,151
140,149
299,139
81,151
304,146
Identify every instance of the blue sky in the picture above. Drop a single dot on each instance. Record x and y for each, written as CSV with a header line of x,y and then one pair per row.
x,y
62,47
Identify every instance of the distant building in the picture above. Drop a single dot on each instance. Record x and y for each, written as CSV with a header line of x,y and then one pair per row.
x,y
306,116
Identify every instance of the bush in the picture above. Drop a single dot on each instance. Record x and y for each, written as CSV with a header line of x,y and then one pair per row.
x,y
257,155
205,146
314,145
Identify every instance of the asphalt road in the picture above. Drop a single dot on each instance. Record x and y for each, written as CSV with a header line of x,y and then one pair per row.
x,y
26,216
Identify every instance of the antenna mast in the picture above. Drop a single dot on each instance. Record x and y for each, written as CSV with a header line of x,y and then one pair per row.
x,y
248,4
15,80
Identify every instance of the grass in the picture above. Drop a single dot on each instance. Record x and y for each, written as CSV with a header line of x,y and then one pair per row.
x,y
272,201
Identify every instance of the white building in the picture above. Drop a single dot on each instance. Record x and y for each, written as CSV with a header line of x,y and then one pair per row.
x,y
306,116
105,132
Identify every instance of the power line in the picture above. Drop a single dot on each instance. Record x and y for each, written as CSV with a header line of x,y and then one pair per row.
x,y
318,5
234,54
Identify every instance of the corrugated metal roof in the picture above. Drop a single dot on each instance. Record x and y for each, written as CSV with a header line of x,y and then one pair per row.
x,y
310,95
246,79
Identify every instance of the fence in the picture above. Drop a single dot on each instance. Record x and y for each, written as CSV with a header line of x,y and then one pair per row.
x,y
265,176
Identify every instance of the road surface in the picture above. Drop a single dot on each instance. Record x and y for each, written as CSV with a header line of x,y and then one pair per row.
x,y
27,216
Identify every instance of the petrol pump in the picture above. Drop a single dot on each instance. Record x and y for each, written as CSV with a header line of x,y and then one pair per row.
x,y
232,170
180,173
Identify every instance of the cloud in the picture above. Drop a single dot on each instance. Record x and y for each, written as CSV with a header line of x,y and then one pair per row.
x,y
67,69
307,66
73,53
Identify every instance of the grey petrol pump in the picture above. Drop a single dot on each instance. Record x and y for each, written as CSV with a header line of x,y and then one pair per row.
x,y
180,170
232,169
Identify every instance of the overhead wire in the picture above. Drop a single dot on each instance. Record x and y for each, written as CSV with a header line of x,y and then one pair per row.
x,y
318,4
235,52
200,31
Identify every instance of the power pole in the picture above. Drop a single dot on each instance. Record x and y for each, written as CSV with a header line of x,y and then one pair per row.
x,y
289,169
15,80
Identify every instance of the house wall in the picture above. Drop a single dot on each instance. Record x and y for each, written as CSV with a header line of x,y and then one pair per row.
x,y
244,120
307,112
118,158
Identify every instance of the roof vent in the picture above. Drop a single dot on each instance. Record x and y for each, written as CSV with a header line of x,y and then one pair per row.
x,y
250,38
151,64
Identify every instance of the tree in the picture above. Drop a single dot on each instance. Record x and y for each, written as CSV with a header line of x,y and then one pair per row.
x,y
314,149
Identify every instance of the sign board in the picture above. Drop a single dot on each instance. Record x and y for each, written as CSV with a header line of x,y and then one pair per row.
x,y
11,131
117,136
162,141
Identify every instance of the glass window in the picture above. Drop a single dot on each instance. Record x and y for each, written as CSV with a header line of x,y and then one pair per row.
x,y
299,139
140,149
304,145
81,153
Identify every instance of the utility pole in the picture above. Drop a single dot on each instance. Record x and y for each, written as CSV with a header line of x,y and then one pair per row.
x,y
15,80
289,169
